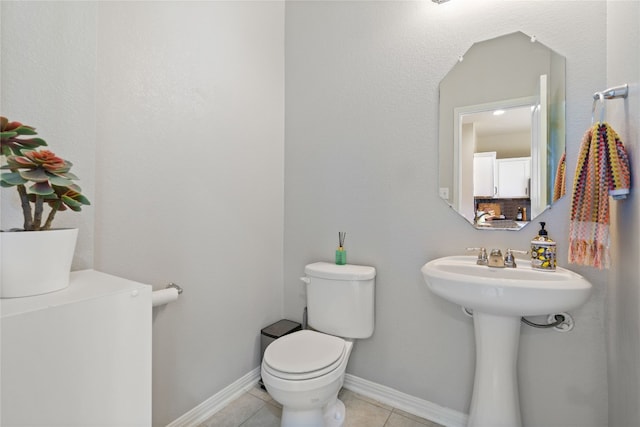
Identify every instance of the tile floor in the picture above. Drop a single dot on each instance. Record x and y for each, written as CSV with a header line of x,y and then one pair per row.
x,y
257,409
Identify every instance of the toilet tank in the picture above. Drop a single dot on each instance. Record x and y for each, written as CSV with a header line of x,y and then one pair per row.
x,y
340,299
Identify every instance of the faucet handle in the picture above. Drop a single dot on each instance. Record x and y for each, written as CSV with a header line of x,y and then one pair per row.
x,y
483,259
510,260
517,251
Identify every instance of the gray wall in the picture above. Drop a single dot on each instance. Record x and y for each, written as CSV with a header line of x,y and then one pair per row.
x,y
361,157
190,180
623,66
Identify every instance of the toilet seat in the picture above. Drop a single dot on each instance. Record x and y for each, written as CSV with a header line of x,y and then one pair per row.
x,y
304,355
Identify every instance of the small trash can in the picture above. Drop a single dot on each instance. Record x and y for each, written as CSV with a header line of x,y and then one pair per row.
x,y
275,331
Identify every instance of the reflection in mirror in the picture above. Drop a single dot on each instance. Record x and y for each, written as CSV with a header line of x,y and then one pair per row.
x,y
501,144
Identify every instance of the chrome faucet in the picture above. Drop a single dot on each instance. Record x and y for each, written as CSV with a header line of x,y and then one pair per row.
x,y
482,255
480,217
495,258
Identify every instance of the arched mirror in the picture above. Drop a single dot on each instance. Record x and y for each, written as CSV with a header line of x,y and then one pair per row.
x,y
502,132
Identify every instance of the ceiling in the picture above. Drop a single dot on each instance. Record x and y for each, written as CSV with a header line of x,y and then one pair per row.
x,y
513,120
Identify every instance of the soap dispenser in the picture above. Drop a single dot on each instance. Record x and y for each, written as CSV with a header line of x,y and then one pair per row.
x,y
519,214
543,251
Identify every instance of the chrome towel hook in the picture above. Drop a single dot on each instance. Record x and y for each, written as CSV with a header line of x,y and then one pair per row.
x,y
615,92
621,91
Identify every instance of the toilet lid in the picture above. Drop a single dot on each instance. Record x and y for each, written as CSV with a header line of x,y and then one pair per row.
x,y
304,351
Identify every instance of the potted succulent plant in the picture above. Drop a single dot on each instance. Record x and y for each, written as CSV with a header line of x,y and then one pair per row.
x,y
41,179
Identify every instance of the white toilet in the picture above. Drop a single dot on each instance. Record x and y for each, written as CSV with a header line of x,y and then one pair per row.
x,y
304,371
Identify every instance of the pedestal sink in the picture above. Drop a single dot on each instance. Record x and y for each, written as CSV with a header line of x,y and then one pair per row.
x,y
499,297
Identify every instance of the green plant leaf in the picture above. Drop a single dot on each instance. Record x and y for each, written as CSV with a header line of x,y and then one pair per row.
x,y
19,162
71,202
82,199
25,130
31,143
12,178
59,181
8,134
5,185
50,197
36,175
75,187
40,188
67,175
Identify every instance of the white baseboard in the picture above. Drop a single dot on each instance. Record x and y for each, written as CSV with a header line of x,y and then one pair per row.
x,y
383,394
218,401
405,402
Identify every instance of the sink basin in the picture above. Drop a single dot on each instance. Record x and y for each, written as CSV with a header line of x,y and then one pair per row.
x,y
521,291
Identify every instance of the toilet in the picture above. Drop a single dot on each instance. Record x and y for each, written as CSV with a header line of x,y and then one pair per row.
x,y
304,371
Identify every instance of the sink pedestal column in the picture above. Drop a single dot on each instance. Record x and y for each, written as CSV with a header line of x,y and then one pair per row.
x,y
495,390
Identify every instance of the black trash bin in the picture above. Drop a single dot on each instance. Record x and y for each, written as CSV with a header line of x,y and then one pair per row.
x,y
274,331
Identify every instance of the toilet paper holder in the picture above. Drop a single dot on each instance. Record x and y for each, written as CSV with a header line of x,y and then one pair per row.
x,y
174,285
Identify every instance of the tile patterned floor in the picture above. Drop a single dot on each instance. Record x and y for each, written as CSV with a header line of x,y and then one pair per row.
x,y
257,409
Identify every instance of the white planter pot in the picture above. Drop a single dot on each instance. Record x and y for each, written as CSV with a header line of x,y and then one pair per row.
x,y
36,262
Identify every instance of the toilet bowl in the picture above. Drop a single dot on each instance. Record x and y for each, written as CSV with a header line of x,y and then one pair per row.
x,y
304,371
